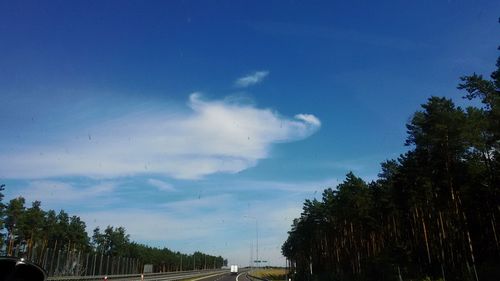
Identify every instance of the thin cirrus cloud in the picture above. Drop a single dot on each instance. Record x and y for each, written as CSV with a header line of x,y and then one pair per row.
x,y
251,79
161,185
200,203
213,136
51,191
192,222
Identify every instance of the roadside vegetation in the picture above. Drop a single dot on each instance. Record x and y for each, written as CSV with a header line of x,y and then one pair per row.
x,y
270,273
433,213
35,233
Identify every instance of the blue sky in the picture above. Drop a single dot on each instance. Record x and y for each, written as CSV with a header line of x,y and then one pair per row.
x,y
184,121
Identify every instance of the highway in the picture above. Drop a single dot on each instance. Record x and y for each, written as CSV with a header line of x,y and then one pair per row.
x,y
166,276
214,275
226,277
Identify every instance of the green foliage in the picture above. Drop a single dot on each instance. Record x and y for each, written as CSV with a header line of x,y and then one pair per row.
x,y
2,214
13,215
433,213
29,228
113,241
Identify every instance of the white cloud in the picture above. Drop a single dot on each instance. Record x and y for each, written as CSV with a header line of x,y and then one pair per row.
x,y
309,118
213,137
48,191
225,230
251,79
214,222
161,185
201,203
151,225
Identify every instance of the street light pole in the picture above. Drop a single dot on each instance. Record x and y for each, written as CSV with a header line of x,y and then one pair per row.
x,y
252,264
257,237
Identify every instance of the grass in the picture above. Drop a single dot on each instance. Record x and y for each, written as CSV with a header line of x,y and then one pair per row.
x,y
270,273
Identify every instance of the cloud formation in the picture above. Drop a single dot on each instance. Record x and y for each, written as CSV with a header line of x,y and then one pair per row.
x,y
308,118
184,221
50,191
188,224
161,185
217,136
251,79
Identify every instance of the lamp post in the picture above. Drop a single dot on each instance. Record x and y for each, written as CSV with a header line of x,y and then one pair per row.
x,y
257,236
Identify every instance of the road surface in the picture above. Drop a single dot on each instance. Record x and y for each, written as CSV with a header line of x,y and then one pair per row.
x,y
226,277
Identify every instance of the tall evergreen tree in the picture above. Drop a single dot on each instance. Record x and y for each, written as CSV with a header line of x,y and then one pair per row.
x,y
432,212
2,215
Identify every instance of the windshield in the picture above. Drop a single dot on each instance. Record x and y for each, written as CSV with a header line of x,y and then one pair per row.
x,y
327,139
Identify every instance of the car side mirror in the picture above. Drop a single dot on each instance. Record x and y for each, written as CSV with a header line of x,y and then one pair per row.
x,y
16,269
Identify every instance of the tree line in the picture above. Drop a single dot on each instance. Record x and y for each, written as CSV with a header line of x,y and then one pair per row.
x,y
24,230
432,213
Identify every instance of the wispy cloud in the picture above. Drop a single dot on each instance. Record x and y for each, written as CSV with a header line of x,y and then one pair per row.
x,y
201,203
161,185
213,137
251,79
153,225
202,221
287,188
50,191
186,224
309,118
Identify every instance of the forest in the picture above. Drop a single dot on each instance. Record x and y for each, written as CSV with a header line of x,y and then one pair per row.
x,y
430,215
42,236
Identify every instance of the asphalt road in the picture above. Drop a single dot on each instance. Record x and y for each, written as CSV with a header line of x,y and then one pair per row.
x,y
227,277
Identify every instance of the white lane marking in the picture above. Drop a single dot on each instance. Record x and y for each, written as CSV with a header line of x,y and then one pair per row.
x,y
238,276
204,277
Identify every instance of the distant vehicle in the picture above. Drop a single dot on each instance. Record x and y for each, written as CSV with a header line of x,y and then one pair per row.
x,y
234,269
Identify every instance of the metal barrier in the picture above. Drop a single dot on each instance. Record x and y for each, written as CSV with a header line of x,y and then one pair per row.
x,y
165,276
62,262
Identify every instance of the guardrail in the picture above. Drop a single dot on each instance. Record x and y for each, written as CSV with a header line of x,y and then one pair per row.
x,y
164,276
